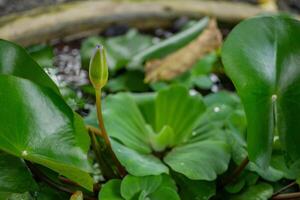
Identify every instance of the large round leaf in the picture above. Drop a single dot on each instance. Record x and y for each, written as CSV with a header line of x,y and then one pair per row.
x,y
15,61
262,57
37,125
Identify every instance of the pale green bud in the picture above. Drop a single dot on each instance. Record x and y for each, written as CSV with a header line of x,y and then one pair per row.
x,y
98,70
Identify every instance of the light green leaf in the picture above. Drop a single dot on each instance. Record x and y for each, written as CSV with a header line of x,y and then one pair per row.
x,y
163,139
120,49
261,191
131,128
15,177
111,190
137,163
149,187
261,56
132,185
202,81
194,159
172,108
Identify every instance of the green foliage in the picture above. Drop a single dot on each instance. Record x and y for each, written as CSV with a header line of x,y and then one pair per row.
x,y
262,60
147,187
173,145
144,124
119,49
194,190
39,125
14,175
169,45
42,54
261,191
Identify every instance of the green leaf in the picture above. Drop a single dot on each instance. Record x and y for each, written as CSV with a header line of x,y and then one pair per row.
x,y
204,65
131,185
278,168
164,193
194,159
15,61
120,49
194,190
170,44
172,108
15,177
202,81
111,190
128,46
149,187
261,191
222,97
39,126
261,56
137,163
134,138
131,130
163,139
42,54
132,80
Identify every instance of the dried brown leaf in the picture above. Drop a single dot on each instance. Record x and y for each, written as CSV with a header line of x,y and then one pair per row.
x,y
180,61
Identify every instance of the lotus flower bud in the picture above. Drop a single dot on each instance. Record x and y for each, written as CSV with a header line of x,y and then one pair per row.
x,y
98,70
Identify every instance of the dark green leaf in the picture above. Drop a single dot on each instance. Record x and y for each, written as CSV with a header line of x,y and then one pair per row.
x,y
40,127
14,60
194,190
261,191
42,54
15,177
261,56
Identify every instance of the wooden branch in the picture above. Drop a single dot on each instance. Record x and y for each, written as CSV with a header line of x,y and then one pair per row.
x,y
78,19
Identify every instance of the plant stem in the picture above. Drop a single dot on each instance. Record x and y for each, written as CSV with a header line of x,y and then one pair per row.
x,y
284,188
41,176
104,134
100,118
235,173
295,195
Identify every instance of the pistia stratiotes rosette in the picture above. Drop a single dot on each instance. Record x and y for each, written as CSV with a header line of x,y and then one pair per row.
x,y
149,130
